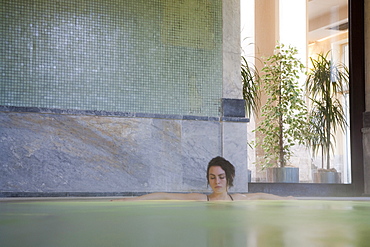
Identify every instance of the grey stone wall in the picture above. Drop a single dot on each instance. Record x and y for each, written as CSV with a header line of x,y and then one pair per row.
x,y
48,152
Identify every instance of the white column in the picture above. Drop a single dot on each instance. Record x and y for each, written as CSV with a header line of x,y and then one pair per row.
x,y
293,25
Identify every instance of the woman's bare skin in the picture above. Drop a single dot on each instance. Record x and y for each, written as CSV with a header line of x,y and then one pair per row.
x,y
217,179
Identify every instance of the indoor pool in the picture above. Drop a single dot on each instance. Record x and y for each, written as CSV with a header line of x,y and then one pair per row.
x,y
293,223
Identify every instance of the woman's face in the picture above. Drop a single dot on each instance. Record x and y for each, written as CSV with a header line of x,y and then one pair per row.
x,y
217,179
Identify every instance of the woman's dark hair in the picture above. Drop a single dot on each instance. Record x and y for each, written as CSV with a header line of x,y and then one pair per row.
x,y
226,166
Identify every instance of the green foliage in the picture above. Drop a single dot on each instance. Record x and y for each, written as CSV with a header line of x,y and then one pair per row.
x,y
284,115
251,90
325,81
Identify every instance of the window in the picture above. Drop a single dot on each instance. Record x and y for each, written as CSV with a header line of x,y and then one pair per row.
x,y
326,28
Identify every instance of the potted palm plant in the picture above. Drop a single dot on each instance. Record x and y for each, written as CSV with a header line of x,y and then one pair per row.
x,y
251,88
251,91
284,122
325,81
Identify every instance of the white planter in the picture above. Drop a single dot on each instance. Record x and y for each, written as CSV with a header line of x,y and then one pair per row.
x,y
327,177
283,174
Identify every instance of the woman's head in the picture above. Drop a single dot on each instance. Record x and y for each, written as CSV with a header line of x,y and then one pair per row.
x,y
225,166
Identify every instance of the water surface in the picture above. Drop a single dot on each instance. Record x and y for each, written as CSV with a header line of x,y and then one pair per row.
x,y
178,223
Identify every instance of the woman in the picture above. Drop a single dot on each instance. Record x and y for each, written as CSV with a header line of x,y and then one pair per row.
x,y
220,176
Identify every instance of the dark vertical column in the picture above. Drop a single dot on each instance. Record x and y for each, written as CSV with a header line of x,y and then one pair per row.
x,y
357,90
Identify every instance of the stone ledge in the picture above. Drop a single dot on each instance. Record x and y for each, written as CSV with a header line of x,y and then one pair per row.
x,y
233,108
235,119
85,194
69,194
42,110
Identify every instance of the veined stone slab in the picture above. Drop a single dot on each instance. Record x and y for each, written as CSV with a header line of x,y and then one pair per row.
x,y
73,153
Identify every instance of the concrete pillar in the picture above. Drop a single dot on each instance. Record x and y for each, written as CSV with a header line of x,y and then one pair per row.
x,y
233,131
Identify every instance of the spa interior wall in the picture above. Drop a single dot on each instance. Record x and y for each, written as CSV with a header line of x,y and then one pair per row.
x,y
46,150
92,104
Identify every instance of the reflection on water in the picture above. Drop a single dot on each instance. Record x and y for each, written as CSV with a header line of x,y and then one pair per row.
x,y
178,223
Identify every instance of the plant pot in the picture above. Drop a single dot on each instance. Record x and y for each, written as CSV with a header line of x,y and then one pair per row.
x,y
283,174
326,176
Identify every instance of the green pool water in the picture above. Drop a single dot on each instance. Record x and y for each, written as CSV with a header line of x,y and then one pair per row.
x,y
295,223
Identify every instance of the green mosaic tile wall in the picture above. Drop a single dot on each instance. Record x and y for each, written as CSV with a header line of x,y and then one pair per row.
x,y
148,56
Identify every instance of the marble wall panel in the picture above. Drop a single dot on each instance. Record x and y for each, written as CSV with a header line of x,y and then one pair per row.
x,y
47,152
200,143
232,86
234,149
71,153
